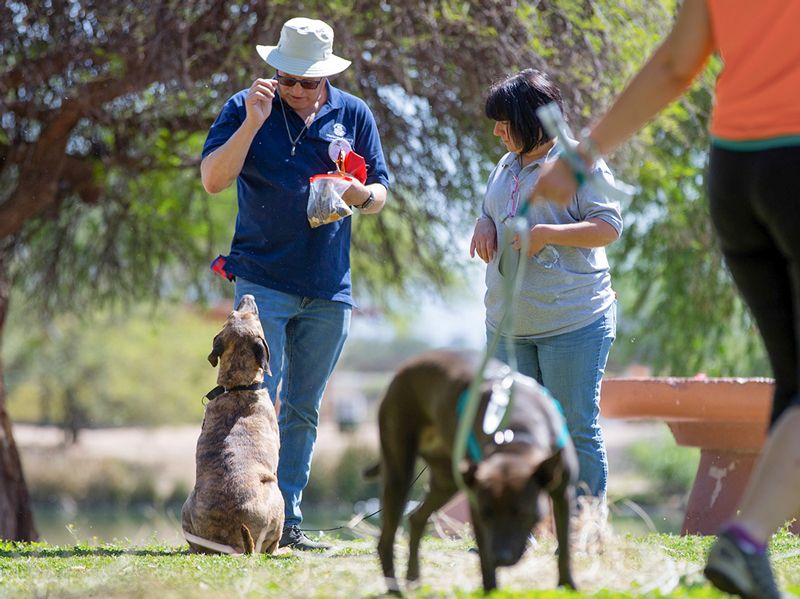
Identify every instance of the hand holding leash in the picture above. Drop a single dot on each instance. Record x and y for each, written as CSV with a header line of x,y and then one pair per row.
x,y
561,179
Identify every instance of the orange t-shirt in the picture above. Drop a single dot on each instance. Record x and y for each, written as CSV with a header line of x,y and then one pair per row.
x,y
758,91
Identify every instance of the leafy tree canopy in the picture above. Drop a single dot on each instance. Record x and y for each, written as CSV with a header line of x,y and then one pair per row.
x,y
104,106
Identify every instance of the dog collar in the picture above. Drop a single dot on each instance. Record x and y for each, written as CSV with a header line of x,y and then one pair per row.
x,y
219,390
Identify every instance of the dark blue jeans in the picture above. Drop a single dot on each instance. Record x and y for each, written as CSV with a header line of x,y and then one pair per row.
x,y
305,337
571,366
755,208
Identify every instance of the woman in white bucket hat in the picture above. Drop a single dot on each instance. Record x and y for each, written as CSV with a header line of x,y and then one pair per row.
x,y
270,138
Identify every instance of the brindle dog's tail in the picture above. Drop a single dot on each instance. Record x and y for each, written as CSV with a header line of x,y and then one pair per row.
x,y
247,538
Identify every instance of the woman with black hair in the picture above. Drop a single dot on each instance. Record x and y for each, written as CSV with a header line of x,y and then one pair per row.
x,y
564,319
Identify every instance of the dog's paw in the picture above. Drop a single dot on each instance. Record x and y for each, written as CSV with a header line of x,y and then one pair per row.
x,y
392,586
567,584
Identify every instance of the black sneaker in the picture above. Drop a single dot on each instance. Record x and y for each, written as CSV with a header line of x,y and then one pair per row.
x,y
734,570
295,538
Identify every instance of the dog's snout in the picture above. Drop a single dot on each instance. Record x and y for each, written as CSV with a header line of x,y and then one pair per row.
x,y
247,304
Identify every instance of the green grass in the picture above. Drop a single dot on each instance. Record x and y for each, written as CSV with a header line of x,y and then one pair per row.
x,y
650,566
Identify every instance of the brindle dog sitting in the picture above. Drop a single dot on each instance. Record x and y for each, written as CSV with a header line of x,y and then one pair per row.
x,y
236,506
510,472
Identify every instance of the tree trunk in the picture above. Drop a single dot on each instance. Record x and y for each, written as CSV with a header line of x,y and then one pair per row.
x,y
16,518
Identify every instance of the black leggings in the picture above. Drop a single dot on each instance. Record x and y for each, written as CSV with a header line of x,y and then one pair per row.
x,y
755,208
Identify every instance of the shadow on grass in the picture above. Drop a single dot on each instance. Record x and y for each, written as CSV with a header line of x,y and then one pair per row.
x,y
65,552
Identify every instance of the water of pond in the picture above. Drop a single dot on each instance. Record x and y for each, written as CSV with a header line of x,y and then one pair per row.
x,y
139,526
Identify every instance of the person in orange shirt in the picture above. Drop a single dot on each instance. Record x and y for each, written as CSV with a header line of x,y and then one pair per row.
x,y
754,195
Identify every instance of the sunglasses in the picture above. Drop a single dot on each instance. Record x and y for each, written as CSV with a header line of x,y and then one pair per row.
x,y
304,83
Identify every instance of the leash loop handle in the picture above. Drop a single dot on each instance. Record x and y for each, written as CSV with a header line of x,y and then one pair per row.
x,y
553,122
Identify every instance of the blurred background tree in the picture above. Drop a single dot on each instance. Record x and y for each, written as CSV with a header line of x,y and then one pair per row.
x,y
104,107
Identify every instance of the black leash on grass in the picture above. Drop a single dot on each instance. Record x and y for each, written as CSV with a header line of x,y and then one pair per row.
x,y
378,511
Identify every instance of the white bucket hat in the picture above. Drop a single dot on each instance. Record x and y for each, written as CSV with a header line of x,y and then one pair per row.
x,y
305,49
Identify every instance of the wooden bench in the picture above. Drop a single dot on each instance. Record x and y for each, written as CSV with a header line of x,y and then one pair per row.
x,y
725,417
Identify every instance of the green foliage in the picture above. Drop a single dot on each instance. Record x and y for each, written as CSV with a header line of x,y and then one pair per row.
x,y
670,467
679,300
151,236
129,219
689,547
141,366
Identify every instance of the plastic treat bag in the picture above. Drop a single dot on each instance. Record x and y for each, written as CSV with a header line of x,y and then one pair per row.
x,y
325,203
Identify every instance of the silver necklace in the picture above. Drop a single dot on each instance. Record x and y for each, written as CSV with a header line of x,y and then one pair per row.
x,y
286,122
288,134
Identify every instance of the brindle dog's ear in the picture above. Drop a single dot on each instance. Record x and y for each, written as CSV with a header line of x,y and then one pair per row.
x,y
216,350
261,350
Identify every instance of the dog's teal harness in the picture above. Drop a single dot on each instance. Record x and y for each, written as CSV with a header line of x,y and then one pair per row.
x,y
473,447
498,411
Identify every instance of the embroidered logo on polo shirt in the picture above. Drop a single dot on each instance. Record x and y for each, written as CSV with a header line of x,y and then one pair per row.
x,y
337,146
339,130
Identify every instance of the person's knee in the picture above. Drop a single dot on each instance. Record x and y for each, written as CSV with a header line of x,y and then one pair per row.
x,y
301,415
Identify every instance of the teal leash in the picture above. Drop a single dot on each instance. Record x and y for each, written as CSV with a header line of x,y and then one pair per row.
x,y
468,404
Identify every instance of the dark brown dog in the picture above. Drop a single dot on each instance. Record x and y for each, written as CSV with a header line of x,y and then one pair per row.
x,y
236,506
530,457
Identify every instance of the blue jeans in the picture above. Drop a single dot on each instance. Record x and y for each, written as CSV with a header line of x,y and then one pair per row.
x,y
571,366
305,336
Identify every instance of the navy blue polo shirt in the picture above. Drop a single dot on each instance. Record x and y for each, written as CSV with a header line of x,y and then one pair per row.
x,y
273,244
